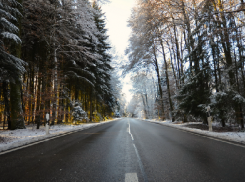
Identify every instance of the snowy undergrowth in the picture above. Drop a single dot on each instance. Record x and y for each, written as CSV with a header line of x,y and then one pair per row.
x,y
14,138
230,136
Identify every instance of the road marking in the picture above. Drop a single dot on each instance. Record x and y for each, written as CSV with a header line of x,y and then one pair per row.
x,y
37,142
210,137
129,131
47,139
132,137
131,177
140,164
203,135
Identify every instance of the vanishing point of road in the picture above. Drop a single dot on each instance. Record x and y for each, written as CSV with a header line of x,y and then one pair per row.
x,y
127,150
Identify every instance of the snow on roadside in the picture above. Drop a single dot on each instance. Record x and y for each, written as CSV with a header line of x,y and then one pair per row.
x,y
14,138
231,136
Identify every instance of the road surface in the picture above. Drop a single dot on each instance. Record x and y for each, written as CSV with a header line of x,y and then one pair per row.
x,y
127,150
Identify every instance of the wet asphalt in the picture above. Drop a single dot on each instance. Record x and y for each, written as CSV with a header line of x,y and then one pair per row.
x,y
126,147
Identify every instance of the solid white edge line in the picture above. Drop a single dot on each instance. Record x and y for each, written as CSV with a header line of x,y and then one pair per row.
x,y
201,135
47,139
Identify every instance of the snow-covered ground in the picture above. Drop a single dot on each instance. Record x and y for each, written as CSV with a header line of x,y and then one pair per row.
x,y
230,136
14,138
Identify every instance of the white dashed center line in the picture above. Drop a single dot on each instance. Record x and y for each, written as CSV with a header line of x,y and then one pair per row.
x,y
131,177
129,131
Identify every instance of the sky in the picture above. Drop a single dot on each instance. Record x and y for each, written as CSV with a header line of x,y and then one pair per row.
x,y
117,14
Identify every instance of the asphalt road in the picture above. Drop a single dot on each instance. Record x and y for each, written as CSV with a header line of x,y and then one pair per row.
x,y
127,150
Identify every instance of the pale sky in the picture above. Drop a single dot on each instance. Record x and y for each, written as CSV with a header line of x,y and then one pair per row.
x,y
117,13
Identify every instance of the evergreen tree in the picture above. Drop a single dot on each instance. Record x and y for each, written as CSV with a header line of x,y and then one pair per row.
x,y
78,113
65,46
11,66
103,68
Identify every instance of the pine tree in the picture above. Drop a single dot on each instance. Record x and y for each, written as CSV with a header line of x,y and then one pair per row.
x,y
11,66
78,113
103,69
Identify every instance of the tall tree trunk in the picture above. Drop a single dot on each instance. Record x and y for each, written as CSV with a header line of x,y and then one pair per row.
x,y
91,106
177,53
215,69
54,112
227,50
167,79
38,105
16,115
189,41
145,111
159,83
6,102
17,120
173,69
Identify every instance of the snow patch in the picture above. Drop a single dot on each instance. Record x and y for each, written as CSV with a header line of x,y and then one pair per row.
x,y
10,139
230,136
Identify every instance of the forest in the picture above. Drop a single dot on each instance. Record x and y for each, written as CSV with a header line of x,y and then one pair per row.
x,y
185,55
54,58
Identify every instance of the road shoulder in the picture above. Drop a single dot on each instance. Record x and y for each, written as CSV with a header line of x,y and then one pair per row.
x,y
237,138
13,139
